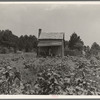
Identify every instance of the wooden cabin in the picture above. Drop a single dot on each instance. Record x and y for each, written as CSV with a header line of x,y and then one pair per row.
x,y
50,44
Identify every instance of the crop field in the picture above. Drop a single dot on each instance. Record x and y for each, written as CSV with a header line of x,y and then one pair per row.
x,y
31,75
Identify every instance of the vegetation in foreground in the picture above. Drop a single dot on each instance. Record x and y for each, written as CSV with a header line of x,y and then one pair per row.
x,y
28,74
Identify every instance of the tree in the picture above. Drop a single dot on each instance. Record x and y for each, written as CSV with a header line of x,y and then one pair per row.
x,y
75,42
27,43
95,48
79,46
8,39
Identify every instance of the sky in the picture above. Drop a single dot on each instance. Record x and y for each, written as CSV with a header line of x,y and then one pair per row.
x,y
27,18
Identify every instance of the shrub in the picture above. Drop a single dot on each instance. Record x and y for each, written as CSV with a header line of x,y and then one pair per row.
x,y
4,50
72,52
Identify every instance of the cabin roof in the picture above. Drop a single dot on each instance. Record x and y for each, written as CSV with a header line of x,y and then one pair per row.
x,y
49,43
51,35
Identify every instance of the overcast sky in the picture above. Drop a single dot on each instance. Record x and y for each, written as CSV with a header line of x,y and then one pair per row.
x,y
21,19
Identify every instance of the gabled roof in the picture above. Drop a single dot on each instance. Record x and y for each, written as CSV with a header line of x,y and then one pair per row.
x,y
51,35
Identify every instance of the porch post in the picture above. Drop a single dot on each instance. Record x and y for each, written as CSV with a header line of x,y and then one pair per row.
x,y
37,51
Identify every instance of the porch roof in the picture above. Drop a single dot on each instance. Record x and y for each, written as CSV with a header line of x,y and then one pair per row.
x,y
49,43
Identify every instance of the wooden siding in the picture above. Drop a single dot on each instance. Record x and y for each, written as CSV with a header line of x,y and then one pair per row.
x,y
56,50
57,46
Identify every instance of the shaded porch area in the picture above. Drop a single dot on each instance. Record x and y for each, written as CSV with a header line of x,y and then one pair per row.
x,y
49,51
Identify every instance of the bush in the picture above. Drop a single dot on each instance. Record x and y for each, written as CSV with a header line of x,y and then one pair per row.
x,y
73,52
94,52
4,50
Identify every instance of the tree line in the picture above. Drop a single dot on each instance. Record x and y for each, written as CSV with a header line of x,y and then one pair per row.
x,y
76,45
12,43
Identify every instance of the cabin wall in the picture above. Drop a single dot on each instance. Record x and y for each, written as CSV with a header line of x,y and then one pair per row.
x,y
56,50
43,51
62,48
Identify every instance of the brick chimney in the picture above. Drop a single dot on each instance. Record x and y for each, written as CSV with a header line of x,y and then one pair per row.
x,y
39,32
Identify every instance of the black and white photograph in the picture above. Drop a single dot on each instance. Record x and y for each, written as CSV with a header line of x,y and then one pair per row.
x,y
50,48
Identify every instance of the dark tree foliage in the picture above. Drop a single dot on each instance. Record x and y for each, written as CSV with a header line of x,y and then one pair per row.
x,y
95,46
8,40
27,43
75,42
